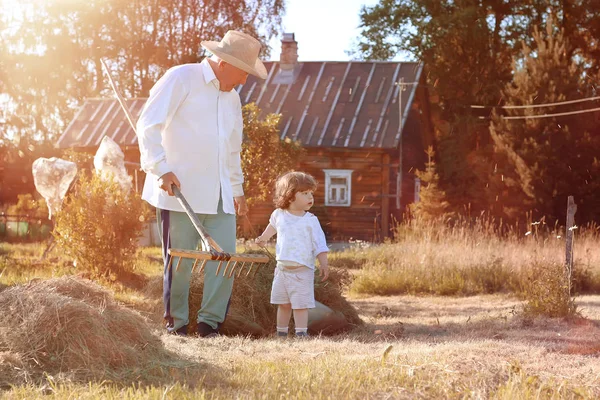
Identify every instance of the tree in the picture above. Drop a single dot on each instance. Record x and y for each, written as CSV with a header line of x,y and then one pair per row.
x,y
432,202
541,161
467,59
264,155
467,47
53,50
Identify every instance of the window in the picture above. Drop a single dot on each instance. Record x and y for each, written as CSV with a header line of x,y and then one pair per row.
x,y
338,187
417,190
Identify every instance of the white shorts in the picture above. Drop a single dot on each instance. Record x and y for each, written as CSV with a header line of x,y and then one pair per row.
x,y
293,285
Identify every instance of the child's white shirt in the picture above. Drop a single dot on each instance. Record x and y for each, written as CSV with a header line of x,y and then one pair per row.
x,y
299,238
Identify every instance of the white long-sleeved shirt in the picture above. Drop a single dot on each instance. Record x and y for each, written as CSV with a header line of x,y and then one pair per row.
x,y
191,128
299,239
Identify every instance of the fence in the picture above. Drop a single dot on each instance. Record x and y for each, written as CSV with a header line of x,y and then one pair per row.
x,y
24,228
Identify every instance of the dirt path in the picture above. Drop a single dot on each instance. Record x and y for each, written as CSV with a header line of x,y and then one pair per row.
x,y
470,342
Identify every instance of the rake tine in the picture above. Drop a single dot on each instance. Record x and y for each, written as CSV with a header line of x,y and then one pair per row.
x,y
250,269
194,266
178,262
239,273
235,263
226,267
202,266
255,271
219,267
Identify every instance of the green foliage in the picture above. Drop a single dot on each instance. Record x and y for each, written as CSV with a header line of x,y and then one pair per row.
x,y
540,162
98,227
52,52
467,48
264,155
28,205
432,200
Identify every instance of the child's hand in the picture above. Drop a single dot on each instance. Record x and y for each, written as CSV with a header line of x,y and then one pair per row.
x,y
260,241
324,272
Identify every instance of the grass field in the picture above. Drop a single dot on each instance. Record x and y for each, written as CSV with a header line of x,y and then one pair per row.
x,y
420,340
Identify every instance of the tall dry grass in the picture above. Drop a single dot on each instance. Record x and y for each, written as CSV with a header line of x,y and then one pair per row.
x,y
473,257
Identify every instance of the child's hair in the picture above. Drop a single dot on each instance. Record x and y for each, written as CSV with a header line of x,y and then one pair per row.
x,y
289,184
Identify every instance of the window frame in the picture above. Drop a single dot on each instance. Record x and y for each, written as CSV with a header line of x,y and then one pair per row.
x,y
338,173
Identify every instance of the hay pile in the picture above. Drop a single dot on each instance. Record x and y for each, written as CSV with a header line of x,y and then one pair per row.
x,y
250,311
71,329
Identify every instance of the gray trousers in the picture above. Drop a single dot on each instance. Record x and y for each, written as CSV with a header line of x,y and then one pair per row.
x,y
177,232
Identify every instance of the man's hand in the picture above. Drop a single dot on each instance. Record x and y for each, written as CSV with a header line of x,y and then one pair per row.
x,y
241,208
167,180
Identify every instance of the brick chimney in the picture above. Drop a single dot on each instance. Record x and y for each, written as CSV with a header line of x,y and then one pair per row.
x,y
289,52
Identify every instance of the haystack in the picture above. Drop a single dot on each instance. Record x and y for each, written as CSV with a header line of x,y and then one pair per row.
x,y
250,311
71,328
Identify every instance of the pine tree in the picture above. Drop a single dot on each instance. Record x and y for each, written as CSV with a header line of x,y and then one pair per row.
x,y
541,161
432,202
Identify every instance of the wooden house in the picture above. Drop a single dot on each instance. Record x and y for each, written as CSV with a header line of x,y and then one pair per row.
x,y
365,125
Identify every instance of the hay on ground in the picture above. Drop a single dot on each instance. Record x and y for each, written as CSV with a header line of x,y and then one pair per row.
x,y
72,328
251,312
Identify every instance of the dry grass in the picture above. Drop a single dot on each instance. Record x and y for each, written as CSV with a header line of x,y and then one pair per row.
x,y
412,347
250,311
467,260
72,328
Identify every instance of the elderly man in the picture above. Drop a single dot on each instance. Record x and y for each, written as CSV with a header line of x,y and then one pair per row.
x,y
190,135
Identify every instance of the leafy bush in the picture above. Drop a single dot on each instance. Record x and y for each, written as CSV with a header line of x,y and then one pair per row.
x,y
99,225
264,155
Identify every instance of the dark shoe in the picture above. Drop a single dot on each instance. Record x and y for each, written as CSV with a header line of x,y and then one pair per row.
x,y
183,331
281,334
206,331
302,335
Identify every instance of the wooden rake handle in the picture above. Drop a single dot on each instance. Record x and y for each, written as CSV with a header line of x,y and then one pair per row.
x,y
209,241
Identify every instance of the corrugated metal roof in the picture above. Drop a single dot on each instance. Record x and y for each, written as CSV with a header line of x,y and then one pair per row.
x,y
329,104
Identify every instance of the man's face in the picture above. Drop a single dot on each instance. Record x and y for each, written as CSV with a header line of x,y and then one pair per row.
x,y
230,76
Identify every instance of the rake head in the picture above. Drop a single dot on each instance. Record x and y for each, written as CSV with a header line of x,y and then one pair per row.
x,y
232,261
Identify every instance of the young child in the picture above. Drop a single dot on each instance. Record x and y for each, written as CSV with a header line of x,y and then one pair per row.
x,y
300,240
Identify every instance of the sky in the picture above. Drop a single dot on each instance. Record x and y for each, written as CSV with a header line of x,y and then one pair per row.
x,y
324,29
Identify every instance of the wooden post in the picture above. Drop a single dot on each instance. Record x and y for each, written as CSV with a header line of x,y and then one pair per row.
x,y
571,210
385,198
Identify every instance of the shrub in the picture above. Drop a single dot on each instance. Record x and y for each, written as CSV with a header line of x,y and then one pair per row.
x,y
28,205
99,225
546,292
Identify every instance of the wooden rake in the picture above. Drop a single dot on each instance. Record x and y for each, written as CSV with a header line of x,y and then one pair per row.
x,y
211,249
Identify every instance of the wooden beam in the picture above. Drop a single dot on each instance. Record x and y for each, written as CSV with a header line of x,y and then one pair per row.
x,y
203,255
385,201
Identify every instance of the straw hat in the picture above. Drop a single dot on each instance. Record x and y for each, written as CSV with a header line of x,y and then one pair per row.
x,y
239,50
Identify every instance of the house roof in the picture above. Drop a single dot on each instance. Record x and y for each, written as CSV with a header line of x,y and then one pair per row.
x,y
323,104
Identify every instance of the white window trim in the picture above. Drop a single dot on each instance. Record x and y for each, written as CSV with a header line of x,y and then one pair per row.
x,y
338,173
